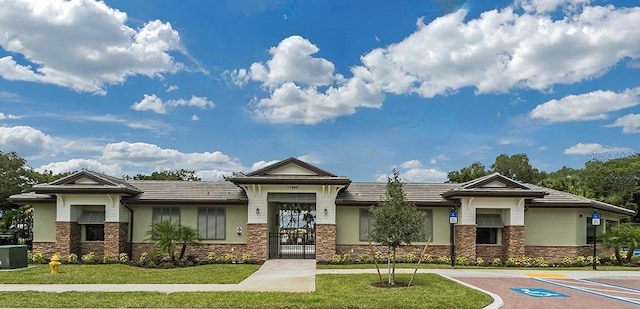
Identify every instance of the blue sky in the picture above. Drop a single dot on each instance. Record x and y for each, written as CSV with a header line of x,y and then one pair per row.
x,y
355,87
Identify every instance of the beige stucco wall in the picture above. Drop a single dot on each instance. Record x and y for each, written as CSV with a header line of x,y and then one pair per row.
x,y
560,227
44,222
236,216
348,226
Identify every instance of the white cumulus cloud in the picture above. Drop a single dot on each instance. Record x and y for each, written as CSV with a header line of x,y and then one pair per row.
x,y
292,61
151,102
83,45
79,164
629,123
589,106
412,171
25,141
7,116
592,148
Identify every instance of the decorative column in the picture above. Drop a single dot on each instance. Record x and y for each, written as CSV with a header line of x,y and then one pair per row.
x,y
513,241
465,241
115,238
257,241
67,238
325,242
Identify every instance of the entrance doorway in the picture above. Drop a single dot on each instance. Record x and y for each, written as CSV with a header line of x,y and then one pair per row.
x,y
294,236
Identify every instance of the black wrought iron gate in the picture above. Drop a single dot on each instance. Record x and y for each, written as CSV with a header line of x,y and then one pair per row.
x,y
292,245
296,231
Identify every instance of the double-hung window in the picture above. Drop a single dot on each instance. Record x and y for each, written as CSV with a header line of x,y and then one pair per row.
x,y
487,228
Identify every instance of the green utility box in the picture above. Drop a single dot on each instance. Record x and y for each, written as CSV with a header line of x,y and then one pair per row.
x,y
12,257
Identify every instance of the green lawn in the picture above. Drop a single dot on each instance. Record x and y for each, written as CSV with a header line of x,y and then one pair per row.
x,y
333,291
118,273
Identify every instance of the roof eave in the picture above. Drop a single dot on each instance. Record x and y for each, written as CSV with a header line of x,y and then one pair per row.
x,y
469,193
186,201
62,189
286,181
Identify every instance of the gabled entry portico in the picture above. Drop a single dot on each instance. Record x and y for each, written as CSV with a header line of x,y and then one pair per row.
x,y
294,187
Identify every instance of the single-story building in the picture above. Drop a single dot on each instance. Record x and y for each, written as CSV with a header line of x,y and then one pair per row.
x,y
292,208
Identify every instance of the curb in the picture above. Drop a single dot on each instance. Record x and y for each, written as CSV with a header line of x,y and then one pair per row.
x,y
497,300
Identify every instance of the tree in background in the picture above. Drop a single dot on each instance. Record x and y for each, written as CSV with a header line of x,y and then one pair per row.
x,y
396,221
517,167
15,177
471,172
179,175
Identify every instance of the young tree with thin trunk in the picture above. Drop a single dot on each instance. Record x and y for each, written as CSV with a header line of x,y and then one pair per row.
x,y
396,221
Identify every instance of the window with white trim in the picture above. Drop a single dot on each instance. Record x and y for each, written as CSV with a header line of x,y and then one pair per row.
x,y
92,222
487,228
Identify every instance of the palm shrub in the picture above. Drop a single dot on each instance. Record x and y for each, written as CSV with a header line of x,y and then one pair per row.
x,y
166,234
623,236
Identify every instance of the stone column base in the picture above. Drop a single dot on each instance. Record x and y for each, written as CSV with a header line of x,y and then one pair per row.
x,y
258,241
115,238
67,238
465,241
513,241
325,242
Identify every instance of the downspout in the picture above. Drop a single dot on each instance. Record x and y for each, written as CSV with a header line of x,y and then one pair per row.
x,y
130,247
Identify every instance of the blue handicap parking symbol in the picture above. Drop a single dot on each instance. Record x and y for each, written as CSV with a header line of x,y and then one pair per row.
x,y
537,292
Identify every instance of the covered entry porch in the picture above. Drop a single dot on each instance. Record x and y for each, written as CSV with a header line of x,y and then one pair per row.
x,y
292,225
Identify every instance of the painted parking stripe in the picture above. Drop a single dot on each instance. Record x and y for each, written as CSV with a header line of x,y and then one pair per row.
x,y
623,299
547,275
611,285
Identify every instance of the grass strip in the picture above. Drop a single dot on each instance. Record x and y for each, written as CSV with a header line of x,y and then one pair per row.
x,y
119,273
333,291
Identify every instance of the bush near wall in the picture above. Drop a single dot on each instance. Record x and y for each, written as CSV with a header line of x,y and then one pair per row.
x,y
579,261
147,260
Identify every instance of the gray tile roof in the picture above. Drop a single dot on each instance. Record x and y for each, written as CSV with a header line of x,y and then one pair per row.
x,y
358,193
219,191
371,192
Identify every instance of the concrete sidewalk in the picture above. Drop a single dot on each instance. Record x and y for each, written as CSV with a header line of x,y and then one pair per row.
x,y
273,275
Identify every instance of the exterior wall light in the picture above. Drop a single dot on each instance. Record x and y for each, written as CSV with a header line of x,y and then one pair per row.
x,y
326,212
257,211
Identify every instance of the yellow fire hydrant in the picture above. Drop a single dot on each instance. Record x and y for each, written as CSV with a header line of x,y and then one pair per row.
x,y
54,265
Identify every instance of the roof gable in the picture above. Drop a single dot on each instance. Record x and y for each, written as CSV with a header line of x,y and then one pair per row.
x,y
87,182
494,180
290,167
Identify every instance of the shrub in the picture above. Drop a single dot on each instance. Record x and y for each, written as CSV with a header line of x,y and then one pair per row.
x,y
480,261
72,258
496,262
427,258
38,258
144,257
228,258
444,260
108,259
411,257
336,259
247,258
379,256
581,261
123,257
567,261
89,257
363,258
461,260
211,257
346,258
